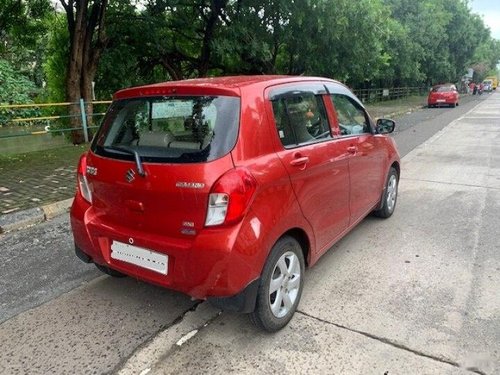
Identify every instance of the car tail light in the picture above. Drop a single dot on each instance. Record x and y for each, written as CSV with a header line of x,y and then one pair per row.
x,y
230,197
83,184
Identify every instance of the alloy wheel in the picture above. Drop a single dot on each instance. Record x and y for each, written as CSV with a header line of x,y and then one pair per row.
x,y
284,285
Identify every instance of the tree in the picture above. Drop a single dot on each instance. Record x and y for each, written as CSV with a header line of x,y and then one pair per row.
x,y
403,66
87,40
23,35
253,41
442,37
14,88
56,61
183,35
125,61
485,59
466,32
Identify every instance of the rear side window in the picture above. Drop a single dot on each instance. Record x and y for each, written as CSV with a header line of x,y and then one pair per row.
x,y
351,116
170,129
300,118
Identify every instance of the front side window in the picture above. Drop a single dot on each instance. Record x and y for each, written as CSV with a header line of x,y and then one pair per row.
x,y
351,116
170,129
300,118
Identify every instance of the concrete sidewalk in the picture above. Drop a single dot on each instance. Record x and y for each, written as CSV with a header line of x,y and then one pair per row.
x,y
39,185
36,186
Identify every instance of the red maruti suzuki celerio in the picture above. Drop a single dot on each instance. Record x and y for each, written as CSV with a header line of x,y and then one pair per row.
x,y
226,188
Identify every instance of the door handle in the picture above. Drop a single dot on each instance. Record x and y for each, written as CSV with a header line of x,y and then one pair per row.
x,y
352,149
300,161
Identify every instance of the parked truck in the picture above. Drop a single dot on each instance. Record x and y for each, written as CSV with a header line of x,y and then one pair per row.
x,y
494,81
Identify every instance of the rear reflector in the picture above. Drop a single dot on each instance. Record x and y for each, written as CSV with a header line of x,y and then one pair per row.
x,y
217,209
84,188
83,183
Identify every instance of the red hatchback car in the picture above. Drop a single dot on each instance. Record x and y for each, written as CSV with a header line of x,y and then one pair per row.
x,y
446,94
227,188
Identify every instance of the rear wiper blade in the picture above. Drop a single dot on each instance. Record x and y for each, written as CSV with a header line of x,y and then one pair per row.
x,y
131,151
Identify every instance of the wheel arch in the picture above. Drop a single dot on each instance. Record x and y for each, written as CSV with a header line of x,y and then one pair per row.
x,y
301,236
397,167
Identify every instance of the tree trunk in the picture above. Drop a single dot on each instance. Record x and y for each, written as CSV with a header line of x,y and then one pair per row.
x,y
87,41
216,7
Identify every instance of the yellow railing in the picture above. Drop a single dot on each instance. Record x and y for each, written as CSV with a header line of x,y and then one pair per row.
x,y
10,116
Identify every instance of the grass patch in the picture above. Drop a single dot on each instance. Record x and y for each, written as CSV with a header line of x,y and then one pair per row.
x,y
56,156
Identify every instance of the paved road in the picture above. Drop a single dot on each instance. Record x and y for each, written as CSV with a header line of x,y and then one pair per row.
x,y
414,294
417,127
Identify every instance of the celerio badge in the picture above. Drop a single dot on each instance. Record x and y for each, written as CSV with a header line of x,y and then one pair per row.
x,y
190,185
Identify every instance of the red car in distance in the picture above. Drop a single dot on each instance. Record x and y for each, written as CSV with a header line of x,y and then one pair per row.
x,y
227,188
441,95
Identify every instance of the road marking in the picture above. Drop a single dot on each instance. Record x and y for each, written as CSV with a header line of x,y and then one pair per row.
x,y
186,337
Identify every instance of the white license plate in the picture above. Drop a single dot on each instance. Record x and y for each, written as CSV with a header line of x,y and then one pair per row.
x,y
140,257
441,100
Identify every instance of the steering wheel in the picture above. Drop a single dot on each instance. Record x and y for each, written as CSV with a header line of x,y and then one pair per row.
x,y
344,130
315,129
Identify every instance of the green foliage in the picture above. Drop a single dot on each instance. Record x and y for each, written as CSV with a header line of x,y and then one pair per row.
x,y
22,35
363,43
55,65
442,39
126,61
15,88
485,59
403,66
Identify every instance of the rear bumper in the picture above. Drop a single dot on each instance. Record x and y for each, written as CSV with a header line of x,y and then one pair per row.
x,y
80,254
447,101
215,264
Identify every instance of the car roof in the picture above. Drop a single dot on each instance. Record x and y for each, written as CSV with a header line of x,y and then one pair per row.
x,y
230,85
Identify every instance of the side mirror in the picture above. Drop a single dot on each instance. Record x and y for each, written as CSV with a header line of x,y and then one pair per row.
x,y
385,126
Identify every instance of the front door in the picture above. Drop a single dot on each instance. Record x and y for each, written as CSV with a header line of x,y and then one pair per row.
x,y
366,175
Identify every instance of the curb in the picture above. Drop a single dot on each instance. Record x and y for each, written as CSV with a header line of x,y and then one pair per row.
x,y
22,219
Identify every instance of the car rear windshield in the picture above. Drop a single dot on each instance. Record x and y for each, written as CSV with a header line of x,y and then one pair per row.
x,y
173,129
443,89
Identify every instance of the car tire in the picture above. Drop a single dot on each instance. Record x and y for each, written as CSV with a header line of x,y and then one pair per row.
x,y
109,271
430,105
280,286
390,196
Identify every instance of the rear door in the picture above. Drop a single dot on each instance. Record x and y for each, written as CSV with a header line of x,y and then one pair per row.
x,y
318,170
171,200
181,144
